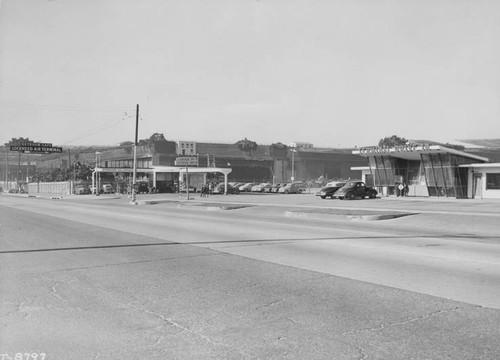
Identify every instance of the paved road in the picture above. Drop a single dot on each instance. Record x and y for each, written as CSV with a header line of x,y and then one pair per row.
x,y
83,279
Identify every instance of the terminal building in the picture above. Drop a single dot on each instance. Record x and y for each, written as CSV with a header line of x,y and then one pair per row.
x,y
156,164
424,168
429,170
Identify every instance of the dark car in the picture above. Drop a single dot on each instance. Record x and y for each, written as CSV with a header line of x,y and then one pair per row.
x,y
275,188
82,190
329,190
353,190
219,189
140,188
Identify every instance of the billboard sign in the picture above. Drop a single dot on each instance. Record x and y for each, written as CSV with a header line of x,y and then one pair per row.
x,y
186,161
36,148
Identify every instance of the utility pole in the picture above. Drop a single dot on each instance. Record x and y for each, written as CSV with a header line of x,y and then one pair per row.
x,y
135,153
18,177
187,181
6,168
69,161
69,172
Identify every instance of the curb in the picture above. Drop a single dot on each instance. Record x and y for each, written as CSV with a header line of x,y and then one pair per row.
x,y
371,217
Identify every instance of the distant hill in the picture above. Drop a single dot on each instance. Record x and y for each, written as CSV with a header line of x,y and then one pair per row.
x,y
486,143
489,148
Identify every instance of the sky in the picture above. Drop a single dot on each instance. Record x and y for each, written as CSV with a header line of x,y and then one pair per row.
x,y
334,73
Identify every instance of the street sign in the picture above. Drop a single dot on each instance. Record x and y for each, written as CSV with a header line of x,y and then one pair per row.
x,y
186,161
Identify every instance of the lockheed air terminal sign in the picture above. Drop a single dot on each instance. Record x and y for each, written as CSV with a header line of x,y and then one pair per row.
x,y
36,148
186,161
395,149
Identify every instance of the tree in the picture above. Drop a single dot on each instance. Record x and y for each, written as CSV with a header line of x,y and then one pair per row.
x,y
247,146
127,146
392,141
278,150
82,171
157,137
156,141
15,141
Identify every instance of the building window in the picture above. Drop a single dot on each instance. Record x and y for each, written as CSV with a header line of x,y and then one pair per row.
x,y
493,181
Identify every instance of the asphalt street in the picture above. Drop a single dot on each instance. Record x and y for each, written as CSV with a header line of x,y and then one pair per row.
x,y
248,278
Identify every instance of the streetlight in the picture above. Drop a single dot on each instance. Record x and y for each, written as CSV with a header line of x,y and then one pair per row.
x,y
97,175
293,164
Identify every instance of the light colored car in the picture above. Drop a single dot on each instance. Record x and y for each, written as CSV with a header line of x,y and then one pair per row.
x,y
262,187
246,187
293,188
107,189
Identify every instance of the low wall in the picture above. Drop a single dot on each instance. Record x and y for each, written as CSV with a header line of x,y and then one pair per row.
x,y
53,188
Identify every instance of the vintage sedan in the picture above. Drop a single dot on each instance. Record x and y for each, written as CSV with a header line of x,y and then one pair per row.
x,y
82,190
293,188
275,188
262,187
246,187
329,190
353,190
219,189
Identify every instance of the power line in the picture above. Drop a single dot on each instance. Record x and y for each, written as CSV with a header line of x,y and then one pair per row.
x,y
125,116
67,107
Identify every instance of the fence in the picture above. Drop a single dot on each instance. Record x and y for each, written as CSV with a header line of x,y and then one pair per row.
x,y
51,188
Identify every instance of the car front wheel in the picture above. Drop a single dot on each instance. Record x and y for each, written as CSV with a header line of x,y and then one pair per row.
x,y
351,196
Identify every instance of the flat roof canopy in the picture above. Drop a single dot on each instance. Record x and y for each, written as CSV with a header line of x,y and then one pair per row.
x,y
488,165
413,152
122,170
167,169
191,170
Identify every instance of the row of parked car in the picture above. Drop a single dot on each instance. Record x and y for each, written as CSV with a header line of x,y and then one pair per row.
x,y
285,188
347,190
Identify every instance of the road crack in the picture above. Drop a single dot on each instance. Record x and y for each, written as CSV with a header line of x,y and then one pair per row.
x,y
134,262
271,304
402,322
170,322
